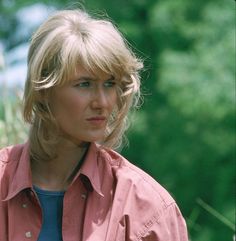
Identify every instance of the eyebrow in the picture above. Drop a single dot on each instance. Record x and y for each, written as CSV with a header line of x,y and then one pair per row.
x,y
90,78
86,78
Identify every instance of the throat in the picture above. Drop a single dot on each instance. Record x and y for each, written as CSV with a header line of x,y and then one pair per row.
x,y
57,174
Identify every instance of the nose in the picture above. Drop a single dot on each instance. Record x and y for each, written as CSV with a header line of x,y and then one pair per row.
x,y
100,98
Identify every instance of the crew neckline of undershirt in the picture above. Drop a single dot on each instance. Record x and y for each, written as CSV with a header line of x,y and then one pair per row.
x,y
41,191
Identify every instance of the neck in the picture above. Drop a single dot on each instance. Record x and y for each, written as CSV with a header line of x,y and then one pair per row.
x,y
58,173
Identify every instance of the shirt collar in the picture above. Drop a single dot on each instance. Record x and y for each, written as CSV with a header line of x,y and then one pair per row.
x,y
90,168
17,175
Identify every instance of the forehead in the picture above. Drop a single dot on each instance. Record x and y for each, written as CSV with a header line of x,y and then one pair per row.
x,y
84,73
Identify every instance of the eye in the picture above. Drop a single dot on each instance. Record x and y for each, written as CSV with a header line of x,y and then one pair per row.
x,y
110,83
83,84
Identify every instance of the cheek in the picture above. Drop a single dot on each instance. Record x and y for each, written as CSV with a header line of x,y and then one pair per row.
x,y
73,102
66,104
114,99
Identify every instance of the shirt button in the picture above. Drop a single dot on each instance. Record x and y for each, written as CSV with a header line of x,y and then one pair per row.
x,y
24,205
83,195
28,234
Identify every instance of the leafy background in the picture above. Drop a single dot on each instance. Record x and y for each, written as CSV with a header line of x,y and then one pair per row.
x,y
184,133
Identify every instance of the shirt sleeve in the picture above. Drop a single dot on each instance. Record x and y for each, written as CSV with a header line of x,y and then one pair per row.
x,y
170,226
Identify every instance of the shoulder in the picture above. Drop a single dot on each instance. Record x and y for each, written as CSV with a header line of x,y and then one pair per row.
x,y
9,155
144,203
137,181
4,156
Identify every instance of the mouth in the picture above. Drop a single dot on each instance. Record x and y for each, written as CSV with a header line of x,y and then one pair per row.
x,y
97,120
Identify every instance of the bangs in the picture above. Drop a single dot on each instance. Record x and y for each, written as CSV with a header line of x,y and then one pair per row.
x,y
95,52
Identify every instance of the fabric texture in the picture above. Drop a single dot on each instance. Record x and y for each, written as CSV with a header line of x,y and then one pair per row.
x,y
109,199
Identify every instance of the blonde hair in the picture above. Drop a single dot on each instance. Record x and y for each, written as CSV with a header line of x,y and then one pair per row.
x,y
66,39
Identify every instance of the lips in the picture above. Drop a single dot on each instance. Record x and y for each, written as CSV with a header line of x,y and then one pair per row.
x,y
97,120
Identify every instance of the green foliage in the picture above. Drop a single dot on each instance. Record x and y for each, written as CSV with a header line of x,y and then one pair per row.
x,y
12,128
184,134
201,80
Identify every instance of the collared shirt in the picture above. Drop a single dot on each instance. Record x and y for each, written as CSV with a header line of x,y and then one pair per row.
x,y
109,199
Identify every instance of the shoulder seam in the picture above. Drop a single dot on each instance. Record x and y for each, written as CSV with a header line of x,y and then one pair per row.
x,y
153,220
145,178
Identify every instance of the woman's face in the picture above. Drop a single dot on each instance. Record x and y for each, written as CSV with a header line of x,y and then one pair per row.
x,y
83,106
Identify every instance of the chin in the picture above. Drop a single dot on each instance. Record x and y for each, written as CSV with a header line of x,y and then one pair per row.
x,y
97,138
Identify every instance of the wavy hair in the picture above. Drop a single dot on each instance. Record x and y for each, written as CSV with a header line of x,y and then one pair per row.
x,y
64,40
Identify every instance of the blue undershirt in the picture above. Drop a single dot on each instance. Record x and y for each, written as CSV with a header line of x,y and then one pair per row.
x,y
52,207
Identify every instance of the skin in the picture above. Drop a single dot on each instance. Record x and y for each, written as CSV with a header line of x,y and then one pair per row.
x,y
86,96
82,108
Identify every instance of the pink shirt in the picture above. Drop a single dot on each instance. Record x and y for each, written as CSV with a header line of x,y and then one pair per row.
x,y
109,200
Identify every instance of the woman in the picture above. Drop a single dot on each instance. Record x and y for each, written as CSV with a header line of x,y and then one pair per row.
x,y
66,183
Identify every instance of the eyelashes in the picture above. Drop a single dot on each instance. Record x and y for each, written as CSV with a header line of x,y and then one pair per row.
x,y
92,84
